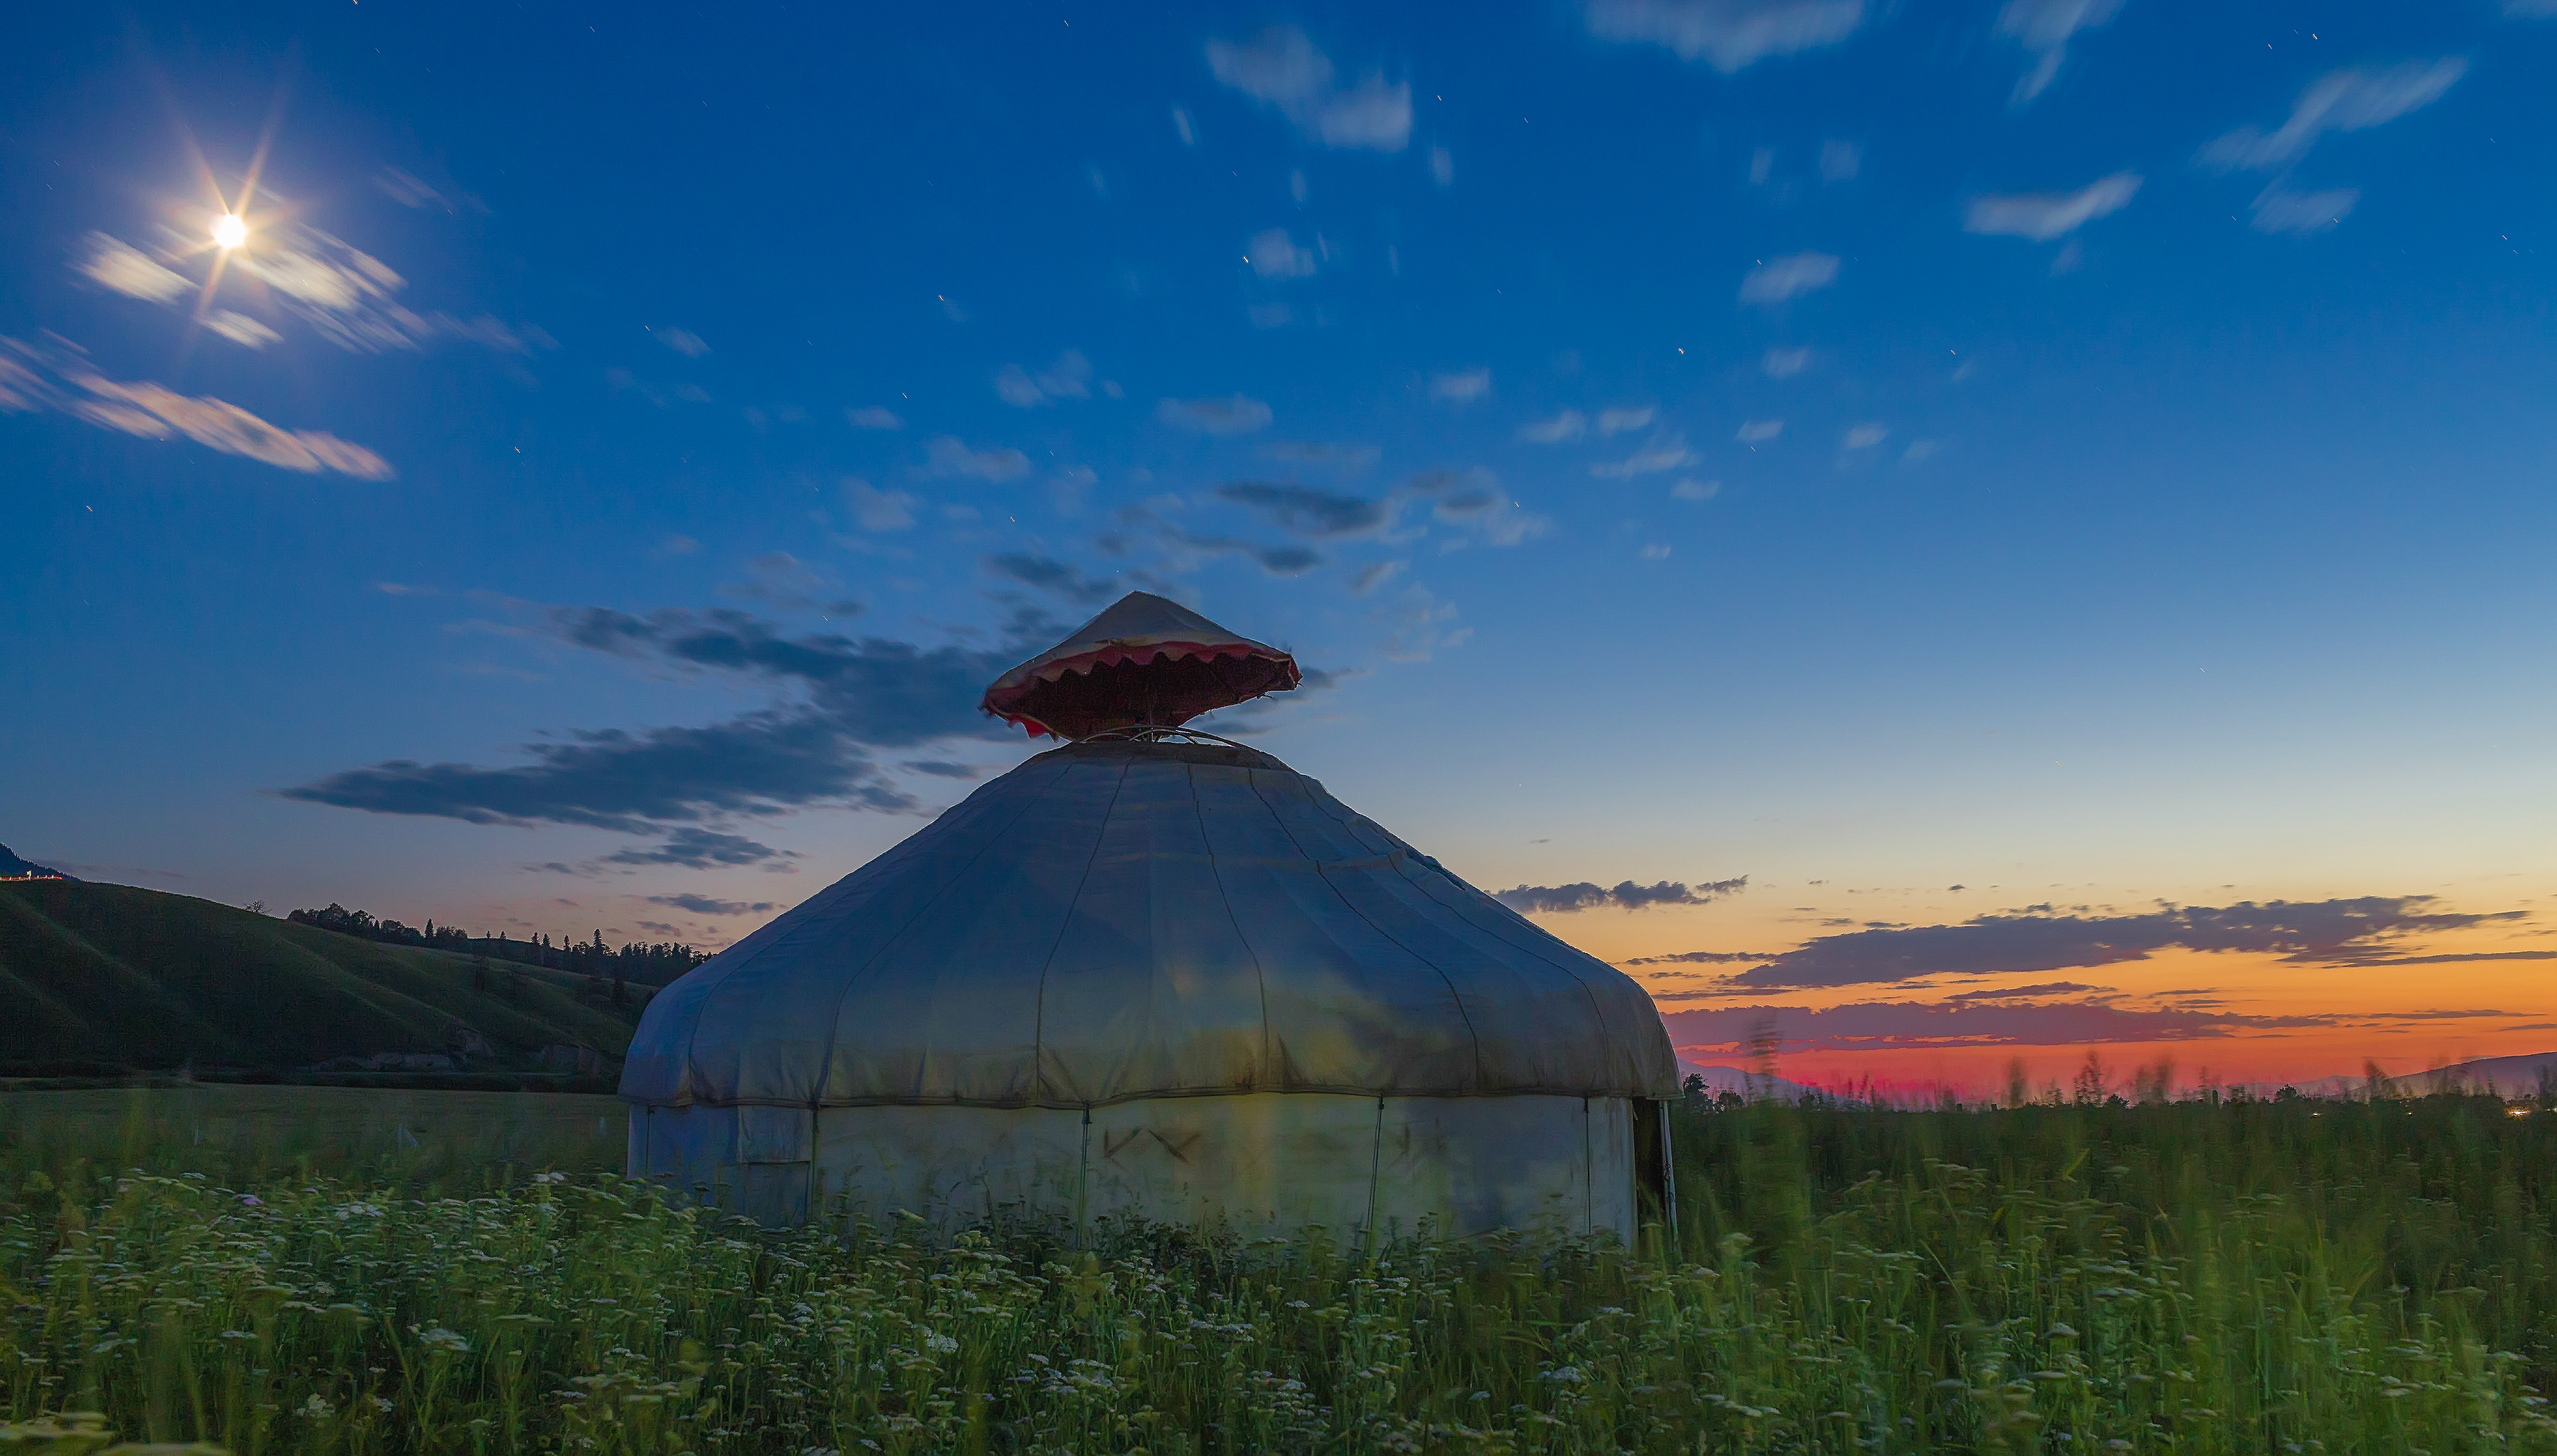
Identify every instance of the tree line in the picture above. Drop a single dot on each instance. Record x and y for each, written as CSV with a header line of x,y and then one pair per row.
x,y
651,962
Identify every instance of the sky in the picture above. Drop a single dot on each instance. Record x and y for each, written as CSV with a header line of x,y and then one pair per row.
x,y
1940,535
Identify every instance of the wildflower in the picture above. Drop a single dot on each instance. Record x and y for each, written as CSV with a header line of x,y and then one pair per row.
x,y
381,1405
251,1200
317,1408
440,1338
941,1344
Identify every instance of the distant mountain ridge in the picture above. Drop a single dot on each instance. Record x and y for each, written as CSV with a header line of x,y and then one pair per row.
x,y
11,867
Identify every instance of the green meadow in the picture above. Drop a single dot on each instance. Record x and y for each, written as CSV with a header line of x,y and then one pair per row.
x,y
315,1270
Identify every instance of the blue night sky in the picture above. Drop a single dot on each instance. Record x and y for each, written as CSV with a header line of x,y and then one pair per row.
x,y
2026,486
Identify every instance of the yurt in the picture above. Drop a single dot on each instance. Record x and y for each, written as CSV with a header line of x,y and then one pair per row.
x,y
1153,973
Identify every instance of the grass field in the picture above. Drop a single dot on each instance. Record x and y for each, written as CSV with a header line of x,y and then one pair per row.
x,y
337,1271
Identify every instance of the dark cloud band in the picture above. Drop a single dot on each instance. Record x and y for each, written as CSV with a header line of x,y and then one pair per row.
x,y
1557,898
2343,931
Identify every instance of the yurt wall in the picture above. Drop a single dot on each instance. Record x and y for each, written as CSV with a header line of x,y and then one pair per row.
x,y
1385,1165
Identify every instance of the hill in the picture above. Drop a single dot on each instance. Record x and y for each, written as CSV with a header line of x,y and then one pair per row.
x,y
11,867
1718,1080
2532,1074
101,977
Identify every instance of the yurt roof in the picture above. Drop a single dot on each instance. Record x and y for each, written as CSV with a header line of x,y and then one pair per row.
x,y
1121,919
1144,661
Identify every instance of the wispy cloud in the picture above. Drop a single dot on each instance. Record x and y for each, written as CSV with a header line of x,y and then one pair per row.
x,y
1343,457
878,510
682,340
1703,958
343,293
786,581
348,297
1307,511
1627,895
2046,215
2043,27
949,456
1664,453
1914,1026
1215,415
1569,424
702,848
1374,575
2353,99
1489,516
413,191
1281,69
847,697
1049,574
58,381
1787,277
2279,209
1728,35
1421,625
1183,547
760,763
2342,931
1273,253
1617,421
1785,364
712,905
1758,432
873,417
116,264
1867,435
241,330
1070,377
1462,387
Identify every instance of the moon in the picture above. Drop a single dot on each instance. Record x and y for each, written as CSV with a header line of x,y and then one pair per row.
x,y
230,231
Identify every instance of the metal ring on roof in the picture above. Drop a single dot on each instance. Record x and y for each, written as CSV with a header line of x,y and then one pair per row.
x,y
1155,734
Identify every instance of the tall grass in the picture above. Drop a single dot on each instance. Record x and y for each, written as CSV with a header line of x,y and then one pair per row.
x,y
2266,1278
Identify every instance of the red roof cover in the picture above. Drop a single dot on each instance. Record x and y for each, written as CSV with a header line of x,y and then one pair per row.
x,y
1144,661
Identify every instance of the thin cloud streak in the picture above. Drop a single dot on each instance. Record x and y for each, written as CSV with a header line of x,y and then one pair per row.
x,y
1281,69
36,380
2043,216
1230,415
2353,99
2043,27
1728,35
1788,277
2334,932
1627,895
1868,1027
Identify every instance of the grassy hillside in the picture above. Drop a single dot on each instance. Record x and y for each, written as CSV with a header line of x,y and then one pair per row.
x,y
97,977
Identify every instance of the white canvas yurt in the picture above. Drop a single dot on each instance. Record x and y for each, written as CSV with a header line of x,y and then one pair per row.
x,y
1154,973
